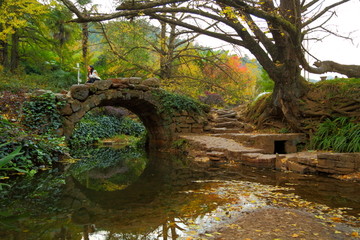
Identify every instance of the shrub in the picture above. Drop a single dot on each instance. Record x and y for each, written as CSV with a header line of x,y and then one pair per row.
x,y
171,103
94,127
339,135
37,150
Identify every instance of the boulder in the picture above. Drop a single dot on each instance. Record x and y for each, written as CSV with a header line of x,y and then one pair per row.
x,y
79,92
152,82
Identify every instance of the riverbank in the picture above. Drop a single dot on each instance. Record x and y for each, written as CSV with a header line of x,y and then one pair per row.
x,y
284,221
258,150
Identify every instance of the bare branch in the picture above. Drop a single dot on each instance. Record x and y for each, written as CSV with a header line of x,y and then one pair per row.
x,y
324,11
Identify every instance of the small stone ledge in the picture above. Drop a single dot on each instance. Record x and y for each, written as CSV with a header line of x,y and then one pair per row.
x,y
330,163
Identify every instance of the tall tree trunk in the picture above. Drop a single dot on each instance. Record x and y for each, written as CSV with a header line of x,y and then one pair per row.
x,y
4,54
85,45
14,57
163,51
167,50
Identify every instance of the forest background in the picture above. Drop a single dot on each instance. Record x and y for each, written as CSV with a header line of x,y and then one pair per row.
x,y
40,48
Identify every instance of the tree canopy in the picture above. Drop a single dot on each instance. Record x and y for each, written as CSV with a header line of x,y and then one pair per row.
x,y
274,31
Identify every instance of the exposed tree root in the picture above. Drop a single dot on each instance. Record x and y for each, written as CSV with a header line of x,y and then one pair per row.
x,y
321,102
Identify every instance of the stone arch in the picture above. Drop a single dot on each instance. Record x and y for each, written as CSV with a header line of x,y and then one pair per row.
x,y
135,95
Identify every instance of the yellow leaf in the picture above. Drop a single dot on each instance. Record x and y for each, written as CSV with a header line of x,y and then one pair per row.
x,y
217,218
295,235
336,219
355,234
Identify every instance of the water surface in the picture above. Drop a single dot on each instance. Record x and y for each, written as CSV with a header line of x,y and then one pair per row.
x,y
127,194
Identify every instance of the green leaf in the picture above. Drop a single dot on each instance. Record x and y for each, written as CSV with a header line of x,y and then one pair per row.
x,y
5,160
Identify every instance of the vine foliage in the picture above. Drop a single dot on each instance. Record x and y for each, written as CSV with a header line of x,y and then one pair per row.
x,y
172,103
41,113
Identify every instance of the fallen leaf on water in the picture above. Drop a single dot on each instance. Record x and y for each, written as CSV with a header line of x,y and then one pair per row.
x,y
192,232
336,219
217,218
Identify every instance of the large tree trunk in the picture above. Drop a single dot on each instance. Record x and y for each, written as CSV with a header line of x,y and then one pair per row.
x,y
167,50
14,58
85,45
4,54
286,98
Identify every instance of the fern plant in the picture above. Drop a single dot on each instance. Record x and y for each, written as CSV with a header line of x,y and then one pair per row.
x,y
339,135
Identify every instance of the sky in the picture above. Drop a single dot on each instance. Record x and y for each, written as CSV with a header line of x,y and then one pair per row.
x,y
331,48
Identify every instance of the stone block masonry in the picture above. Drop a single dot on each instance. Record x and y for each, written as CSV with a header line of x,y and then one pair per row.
x,y
134,94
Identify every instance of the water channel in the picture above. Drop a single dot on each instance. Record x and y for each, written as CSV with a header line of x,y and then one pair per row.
x,y
109,193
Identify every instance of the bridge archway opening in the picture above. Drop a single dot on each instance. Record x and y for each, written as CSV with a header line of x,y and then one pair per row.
x,y
158,134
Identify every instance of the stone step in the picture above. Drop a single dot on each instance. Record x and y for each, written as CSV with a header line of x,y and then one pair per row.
x,y
222,119
216,155
259,160
229,115
222,111
224,130
228,125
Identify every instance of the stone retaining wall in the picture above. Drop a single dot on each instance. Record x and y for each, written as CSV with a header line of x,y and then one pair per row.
x,y
330,163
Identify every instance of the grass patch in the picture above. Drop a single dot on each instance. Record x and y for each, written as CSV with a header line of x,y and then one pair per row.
x,y
339,135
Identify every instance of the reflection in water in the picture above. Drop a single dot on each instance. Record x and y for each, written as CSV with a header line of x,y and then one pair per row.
x,y
119,194
108,169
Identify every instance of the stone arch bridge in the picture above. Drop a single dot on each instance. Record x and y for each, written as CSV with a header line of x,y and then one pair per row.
x,y
138,96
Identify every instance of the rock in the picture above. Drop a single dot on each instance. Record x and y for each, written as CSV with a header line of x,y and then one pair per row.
x,y
66,110
76,106
119,82
338,163
80,92
103,84
40,92
135,80
60,97
141,87
152,82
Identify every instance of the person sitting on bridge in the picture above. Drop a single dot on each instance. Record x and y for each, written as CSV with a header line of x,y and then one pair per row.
x,y
92,75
